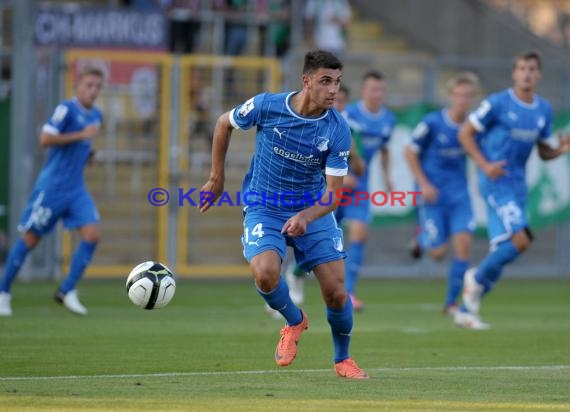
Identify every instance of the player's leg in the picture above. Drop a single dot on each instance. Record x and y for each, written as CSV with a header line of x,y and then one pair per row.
x,y
16,259
358,234
295,278
39,217
510,236
339,315
462,224
457,268
82,215
321,249
264,249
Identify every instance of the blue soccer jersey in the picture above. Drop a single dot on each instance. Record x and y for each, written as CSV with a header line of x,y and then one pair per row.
x,y
441,156
510,128
443,161
63,170
291,150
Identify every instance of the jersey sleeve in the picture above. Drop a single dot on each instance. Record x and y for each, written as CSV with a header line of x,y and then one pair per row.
x,y
58,120
247,114
337,159
546,122
486,114
421,136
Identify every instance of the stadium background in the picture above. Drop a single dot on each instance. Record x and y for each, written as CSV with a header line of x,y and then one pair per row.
x,y
162,98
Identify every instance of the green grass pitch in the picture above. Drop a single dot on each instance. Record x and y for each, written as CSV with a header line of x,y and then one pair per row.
x,y
212,349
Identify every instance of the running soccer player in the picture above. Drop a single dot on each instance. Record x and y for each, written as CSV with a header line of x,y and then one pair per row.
x,y
60,191
294,275
511,122
438,164
290,202
372,126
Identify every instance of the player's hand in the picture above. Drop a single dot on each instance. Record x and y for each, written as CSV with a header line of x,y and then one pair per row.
x,y
429,192
357,165
213,185
89,132
563,143
494,170
295,226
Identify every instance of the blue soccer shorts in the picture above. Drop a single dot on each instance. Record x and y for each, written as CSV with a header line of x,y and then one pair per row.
x,y
322,243
443,219
506,215
46,207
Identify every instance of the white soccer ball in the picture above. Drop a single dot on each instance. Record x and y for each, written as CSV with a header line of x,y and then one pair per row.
x,y
151,285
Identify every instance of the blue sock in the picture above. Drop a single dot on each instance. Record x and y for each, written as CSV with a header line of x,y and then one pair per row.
x,y
81,259
15,261
455,280
353,264
491,268
341,327
280,300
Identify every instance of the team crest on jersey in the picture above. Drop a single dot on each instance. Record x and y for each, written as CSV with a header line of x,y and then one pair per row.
x,y
541,122
322,143
246,108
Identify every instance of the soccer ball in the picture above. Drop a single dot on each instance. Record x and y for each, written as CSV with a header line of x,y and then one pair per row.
x,y
151,285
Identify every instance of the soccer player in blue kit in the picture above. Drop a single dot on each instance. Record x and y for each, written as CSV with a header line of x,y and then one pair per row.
x,y
438,163
372,126
511,121
60,191
289,202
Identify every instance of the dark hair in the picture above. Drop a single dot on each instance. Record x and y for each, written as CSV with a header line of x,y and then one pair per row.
x,y
344,89
320,59
372,74
528,55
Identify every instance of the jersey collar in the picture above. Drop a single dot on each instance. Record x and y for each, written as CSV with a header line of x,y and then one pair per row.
x,y
297,115
518,101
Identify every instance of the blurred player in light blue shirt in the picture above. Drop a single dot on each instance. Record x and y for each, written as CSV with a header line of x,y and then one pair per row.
x,y
372,125
512,122
438,163
60,191
292,203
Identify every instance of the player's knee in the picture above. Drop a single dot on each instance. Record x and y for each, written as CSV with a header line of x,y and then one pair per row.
x,y
523,239
335,298
92,237
438,253
266,275
31,240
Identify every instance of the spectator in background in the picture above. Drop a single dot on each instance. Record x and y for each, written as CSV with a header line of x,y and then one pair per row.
x,y
184,17
327,22
235,33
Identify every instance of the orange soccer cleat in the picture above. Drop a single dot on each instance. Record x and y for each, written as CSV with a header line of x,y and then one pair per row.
x,y
349,369
287,346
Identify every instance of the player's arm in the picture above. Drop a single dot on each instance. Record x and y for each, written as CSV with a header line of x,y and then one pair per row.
x,y
220,145
546,152
357,165
297,225
385,159
429,192
48,138
467,138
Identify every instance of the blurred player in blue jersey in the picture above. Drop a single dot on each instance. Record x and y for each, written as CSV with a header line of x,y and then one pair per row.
x,y
294,275
512,122
60,191
289,202
437,161
372,126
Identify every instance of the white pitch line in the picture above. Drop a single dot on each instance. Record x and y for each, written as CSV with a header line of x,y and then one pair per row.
x,y
279,371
